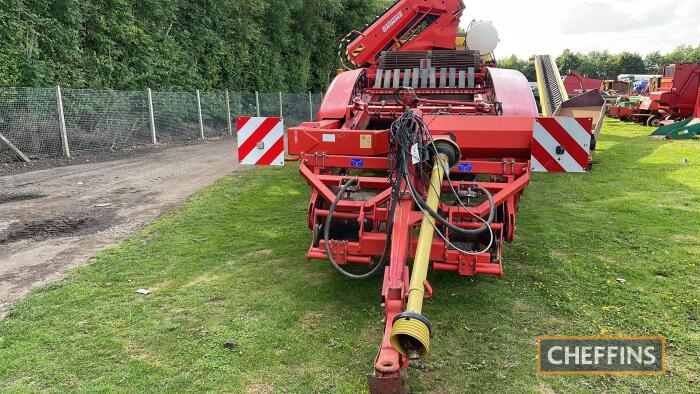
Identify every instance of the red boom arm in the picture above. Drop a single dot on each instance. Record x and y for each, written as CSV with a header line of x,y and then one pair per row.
x,y
410,25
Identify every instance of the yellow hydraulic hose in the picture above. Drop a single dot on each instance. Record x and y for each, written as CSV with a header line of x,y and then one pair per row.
x,y
410,332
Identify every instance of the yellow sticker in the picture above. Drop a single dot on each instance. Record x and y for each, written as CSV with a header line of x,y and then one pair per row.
x,y
358,50
366,141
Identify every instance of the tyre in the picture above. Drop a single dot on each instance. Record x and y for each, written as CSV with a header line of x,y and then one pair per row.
x,y
654,121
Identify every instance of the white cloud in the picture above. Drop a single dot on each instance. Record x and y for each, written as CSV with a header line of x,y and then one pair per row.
x,y
600,17
550,26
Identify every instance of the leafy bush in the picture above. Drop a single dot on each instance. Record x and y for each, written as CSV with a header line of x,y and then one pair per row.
x,y
242,45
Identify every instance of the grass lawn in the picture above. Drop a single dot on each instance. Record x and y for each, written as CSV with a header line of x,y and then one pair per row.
x,y
236,307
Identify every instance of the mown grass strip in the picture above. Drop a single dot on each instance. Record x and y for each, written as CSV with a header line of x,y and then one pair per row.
x,y
236,307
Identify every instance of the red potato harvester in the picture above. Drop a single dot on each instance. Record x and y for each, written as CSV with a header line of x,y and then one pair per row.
x,y
422,151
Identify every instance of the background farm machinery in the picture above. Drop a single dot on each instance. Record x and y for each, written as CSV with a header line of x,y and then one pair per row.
x,y
671,104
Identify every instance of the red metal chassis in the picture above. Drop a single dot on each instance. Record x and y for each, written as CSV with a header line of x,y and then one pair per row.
x,y
495,148
491,122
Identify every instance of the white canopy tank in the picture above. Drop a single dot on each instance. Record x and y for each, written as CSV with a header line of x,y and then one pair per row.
x,y
482,36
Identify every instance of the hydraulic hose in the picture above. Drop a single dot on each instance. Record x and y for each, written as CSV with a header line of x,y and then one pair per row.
x,y
326,237
441,219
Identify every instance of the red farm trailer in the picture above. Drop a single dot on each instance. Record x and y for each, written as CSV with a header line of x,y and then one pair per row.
x,y
576,83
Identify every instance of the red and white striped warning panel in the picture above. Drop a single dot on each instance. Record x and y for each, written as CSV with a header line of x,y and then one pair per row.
x,y
561,144
260,141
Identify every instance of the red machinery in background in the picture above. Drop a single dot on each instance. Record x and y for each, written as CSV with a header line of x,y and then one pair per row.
x,y
679,128
422,152
576,83
673,101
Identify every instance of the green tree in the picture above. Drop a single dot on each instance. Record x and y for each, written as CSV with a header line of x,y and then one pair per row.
x,y
629,63
654,63
568,61
242,45
526,67
684,54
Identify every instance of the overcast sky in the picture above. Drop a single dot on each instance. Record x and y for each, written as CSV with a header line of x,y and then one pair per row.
x,y
548,27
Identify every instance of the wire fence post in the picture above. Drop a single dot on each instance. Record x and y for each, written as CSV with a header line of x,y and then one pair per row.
x,y
199,112
62,123
151,117
228,115
311,108
281,112
112,120
12,146
257,103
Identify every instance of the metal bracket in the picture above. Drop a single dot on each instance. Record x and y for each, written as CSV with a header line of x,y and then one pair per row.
x,y
388,385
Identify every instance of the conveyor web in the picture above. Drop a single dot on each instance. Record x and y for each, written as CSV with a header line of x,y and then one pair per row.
x,y
550,84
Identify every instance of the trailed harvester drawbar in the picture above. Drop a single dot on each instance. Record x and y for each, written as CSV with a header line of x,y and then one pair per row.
x,y
422,152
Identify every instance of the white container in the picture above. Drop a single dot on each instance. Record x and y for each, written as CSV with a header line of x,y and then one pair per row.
x,y
482,37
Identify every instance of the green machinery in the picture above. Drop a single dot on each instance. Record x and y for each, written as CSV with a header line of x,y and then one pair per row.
x,y
685,130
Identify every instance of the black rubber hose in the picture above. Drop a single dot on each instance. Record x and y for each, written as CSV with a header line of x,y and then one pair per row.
x,y
441,219
326,237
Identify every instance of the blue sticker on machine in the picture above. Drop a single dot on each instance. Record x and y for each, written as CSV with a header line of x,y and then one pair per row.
x,y
465,167
357,162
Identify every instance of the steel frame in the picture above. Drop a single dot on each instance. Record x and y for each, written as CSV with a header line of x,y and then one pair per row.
x,y
506,179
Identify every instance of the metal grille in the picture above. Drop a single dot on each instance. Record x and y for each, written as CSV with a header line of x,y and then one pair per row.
x,y
109,120
176,116
106,120
461,60
316,99
242,104
296,109
29,119
269,104
214,114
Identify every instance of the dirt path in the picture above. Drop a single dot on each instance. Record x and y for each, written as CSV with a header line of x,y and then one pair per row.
x,y
56,219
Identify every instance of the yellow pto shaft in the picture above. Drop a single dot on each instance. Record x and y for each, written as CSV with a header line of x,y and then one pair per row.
x,y
410,332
